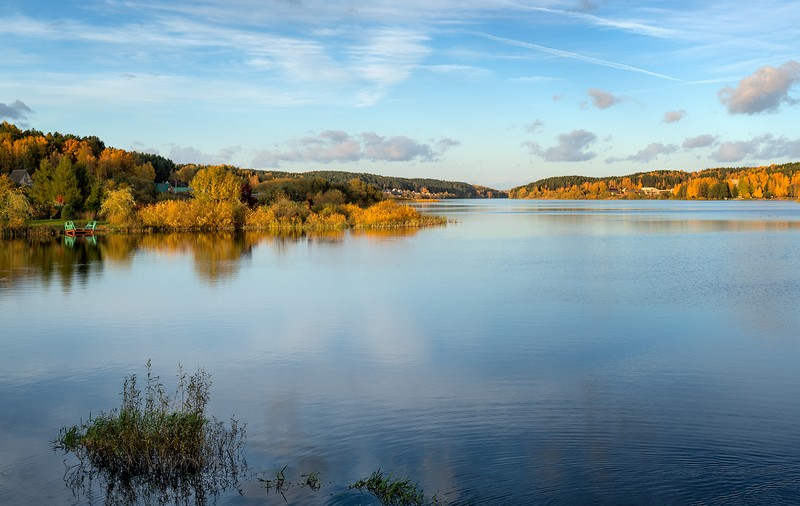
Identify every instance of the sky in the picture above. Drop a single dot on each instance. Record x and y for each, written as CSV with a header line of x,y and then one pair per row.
x,y
497,93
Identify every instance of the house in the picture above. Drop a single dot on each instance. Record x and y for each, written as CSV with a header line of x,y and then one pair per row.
x,y
21,177
180,187
175,189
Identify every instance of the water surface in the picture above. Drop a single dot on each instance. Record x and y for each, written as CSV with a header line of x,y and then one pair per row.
x,y
620,352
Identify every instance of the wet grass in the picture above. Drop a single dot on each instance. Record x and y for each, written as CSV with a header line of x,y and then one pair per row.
x,y
157,442
393,491
160,449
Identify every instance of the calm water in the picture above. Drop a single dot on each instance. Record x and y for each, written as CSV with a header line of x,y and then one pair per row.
x,y
531,353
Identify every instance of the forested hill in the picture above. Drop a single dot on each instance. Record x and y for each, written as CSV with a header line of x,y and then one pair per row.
x,y
399,185
92,162
774,181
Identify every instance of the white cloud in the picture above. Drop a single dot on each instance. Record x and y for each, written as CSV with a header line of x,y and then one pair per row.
x,y
385,58
652,152
603,99
700,141
359,66
463,70
674,116
189,154
571,147
16,110
331,146
734,151
764,147
763,91
582,13
535,126
533,79
647,154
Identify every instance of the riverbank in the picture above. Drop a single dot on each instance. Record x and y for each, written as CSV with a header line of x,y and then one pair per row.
x,y
190,216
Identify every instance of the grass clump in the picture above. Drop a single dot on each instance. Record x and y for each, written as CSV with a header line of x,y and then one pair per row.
x,y
392,491
157,442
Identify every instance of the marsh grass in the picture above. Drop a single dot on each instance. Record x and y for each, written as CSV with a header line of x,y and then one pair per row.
x,y
155,442
280,484
393,491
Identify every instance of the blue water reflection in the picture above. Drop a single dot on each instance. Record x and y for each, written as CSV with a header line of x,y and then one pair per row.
x,y
529,352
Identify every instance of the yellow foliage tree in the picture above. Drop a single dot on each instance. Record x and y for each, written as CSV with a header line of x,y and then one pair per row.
x,y
112,161
118,207
215,184
15,210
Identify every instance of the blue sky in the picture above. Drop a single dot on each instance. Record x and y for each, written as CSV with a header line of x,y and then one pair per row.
x,y
498,93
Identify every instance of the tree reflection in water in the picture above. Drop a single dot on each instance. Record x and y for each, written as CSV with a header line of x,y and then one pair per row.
x,y
217,256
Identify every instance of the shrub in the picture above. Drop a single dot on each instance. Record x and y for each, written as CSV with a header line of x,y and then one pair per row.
x,y
261,217
389,214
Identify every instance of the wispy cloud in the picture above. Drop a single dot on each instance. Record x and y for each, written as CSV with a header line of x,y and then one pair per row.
x,y
574,56
360,66
535,126
534,79
647,154
583,13
456,69
386,57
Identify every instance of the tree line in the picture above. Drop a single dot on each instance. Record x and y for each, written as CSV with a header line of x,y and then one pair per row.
x,y
763,182
80,177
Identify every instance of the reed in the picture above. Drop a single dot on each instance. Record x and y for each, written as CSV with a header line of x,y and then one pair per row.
x,y
392,491
158,440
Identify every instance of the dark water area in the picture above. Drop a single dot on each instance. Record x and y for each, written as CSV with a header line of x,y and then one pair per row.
x,y
530,352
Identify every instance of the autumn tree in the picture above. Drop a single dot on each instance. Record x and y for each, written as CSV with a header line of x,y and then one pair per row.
x,y
66,190
216,198
361,193
186,173
15,209
162,167
118,207
113,161
42,191
216,184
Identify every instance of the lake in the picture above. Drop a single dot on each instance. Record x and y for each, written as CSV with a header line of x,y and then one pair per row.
x,y
529,352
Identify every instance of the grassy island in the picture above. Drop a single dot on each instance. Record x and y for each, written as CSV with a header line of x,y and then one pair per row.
x,y
155,444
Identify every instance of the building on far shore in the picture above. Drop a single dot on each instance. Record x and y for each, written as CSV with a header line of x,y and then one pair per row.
x,y
177,188
21,177
651,191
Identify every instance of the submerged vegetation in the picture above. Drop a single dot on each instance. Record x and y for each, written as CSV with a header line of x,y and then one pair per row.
x,y
156,447
393,491
166,449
